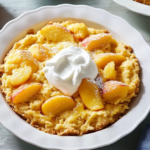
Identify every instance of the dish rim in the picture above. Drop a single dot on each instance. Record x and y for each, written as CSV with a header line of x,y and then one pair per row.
x,y
73,137
134,6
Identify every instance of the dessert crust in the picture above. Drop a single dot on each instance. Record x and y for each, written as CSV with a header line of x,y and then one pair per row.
x,y
147,2
80,120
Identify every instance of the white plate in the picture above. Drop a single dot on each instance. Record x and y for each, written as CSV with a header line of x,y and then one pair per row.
x,y
93,17
135,6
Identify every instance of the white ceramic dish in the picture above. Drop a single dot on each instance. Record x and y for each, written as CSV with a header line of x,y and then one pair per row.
x,y
93,17
135,6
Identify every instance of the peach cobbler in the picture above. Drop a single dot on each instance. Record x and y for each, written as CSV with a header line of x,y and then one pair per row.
x,y
147,2
69,79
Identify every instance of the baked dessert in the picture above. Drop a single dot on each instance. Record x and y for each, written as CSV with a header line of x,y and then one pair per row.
x,y
147,2
69,79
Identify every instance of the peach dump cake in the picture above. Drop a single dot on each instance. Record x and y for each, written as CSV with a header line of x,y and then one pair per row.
x,y
147,2
69,79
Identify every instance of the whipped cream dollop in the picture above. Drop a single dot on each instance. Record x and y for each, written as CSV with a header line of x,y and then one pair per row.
x,y
66,69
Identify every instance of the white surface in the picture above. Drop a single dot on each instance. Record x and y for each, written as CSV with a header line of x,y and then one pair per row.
x,y
135,6
68,67
139,107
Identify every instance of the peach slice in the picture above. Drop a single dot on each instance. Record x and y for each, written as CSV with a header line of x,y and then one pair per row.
x,y
90,94
20,76
109,71
25,92
13,60
39,52
58,104
27,59
113,90
55,33
102,59
79,29
21,58
96,41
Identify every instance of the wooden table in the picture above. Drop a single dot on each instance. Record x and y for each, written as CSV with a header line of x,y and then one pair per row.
x,y
10,9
